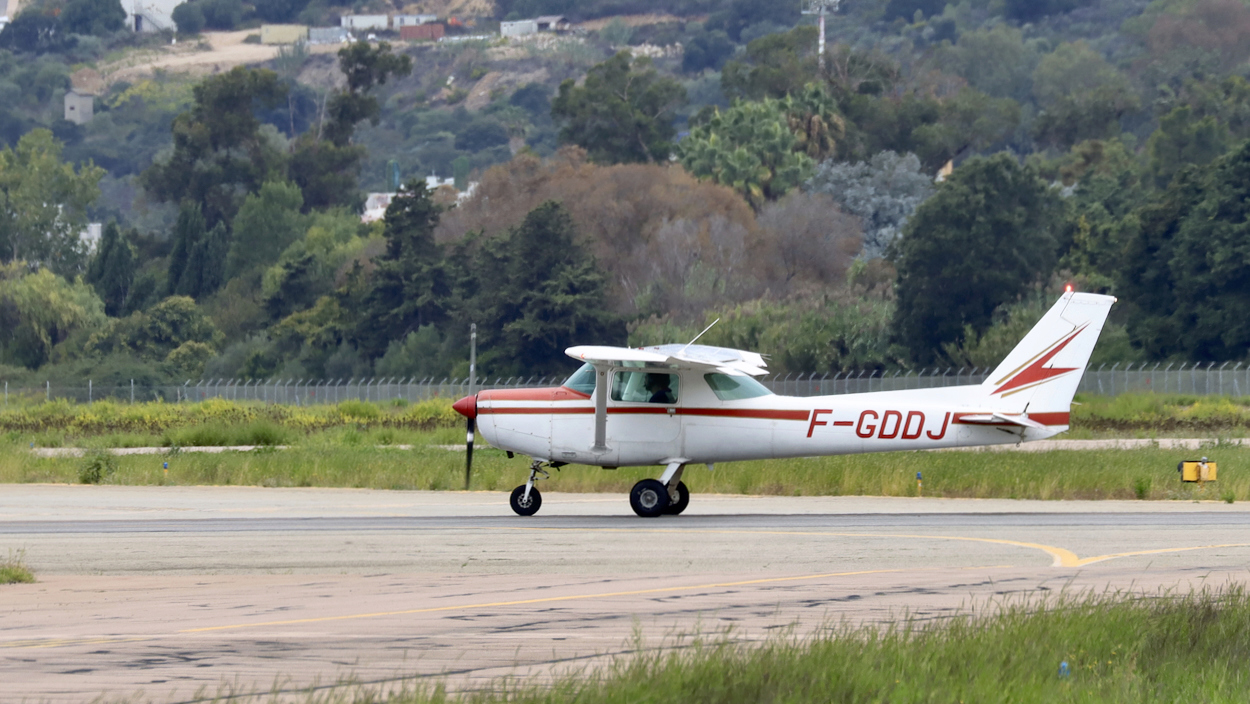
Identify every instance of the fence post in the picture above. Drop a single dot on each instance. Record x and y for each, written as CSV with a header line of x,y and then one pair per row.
x,y
47,392
88,392
6,393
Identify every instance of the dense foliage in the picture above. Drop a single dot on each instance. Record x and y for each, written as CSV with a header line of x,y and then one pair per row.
x,y
633,181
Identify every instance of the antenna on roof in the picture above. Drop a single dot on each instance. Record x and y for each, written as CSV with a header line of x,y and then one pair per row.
x,y
696,337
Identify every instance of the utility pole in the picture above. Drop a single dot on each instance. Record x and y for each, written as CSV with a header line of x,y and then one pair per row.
x,y
820,8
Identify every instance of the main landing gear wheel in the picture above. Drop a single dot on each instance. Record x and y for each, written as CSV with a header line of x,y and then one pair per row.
x,y
526,506
648,498
676,506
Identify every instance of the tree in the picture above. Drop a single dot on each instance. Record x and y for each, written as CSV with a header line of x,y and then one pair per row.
x,y
985,236
538,292
279,10
112,271
1181,140
623,113
737,15
188,233
206,264
907,9
99,17
773,66
219,151
188,17
410,287
750,148
267,223
36,33
1081,96
153,334
706,50
1031,10
882,192
43,203
996,61
365,67
807,240
1184,264
39,310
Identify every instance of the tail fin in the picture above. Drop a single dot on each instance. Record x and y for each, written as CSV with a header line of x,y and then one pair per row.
x,y
1041,374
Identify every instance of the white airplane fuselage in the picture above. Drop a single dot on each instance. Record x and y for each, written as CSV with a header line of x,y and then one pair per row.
x,y
557,424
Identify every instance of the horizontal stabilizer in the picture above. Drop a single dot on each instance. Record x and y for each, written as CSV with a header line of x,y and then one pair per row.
x,y
1002,419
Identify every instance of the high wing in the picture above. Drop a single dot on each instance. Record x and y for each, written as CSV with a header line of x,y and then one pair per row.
x,y
701,357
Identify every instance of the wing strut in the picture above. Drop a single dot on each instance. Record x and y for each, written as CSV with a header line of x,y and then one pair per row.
x,y
601,409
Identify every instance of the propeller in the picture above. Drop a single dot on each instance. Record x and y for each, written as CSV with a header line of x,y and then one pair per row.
x,y
468,450
467,407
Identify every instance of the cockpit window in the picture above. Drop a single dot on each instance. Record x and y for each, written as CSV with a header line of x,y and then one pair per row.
x,y
645,387
583,380
733,388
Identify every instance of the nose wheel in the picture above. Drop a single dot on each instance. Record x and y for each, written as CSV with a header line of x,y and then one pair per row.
x,y
526,499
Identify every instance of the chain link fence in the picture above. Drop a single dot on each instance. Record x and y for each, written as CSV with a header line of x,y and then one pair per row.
x,y
1226,379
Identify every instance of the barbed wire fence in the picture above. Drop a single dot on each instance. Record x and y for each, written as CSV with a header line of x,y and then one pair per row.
x,y
1103,380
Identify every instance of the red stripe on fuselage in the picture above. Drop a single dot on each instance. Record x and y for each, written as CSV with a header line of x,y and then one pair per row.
x,y
1043,418
762,414
558,393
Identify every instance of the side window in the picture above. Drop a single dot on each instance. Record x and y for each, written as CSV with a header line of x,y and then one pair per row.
x,y
644,387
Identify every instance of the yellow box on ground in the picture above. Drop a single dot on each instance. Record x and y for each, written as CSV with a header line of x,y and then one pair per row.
x,y
1197,471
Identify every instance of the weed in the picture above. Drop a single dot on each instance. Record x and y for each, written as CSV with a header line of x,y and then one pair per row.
x,y
1141,488
14,569
97,466
1229,496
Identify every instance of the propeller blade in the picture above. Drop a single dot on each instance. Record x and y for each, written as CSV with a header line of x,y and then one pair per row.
x,y
468,451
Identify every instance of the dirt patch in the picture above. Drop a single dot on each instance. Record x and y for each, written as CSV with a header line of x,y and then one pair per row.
x,y
480,93
637,20
458,8
214,53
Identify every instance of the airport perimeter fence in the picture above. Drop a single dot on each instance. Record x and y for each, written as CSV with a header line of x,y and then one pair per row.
x,y
1103,380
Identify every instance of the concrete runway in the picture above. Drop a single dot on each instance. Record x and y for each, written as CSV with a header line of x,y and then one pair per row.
x,y
167,594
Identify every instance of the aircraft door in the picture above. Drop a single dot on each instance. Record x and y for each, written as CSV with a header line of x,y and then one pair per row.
x,y
642,415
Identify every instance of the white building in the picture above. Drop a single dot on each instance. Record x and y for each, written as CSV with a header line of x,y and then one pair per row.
x,y
150,15
365,21
518,28
79,107
411,20
546,23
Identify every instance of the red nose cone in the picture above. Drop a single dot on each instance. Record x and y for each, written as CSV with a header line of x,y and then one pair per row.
x,y
466,406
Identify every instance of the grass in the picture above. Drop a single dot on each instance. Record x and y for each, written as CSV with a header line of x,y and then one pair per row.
x,y
1116,647
1190,648
350,457
348,445
14,571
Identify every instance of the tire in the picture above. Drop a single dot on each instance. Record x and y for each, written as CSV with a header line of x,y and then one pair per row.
x,y
683,500
648,498
530,507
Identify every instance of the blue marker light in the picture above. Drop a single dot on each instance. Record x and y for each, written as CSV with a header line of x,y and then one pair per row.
x,y
1064,671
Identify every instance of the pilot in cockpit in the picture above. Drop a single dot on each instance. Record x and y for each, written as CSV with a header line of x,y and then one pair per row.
x,y
657,385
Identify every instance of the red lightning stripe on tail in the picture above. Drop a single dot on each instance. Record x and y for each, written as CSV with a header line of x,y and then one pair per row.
x,y
1037,372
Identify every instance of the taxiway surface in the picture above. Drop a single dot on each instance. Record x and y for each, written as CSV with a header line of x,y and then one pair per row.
x,y
172,591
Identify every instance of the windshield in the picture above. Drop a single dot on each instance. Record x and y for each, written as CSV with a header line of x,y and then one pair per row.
x,y
733,388
583,380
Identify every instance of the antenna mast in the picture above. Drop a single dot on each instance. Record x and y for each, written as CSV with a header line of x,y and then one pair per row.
x,y
820,8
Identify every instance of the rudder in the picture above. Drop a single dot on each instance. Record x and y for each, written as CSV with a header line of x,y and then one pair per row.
x,y
1041,374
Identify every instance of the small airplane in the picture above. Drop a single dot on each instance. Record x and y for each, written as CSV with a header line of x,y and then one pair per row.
x,y
678,405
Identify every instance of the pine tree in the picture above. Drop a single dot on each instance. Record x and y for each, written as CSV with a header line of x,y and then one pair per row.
x,y
112,271
188,232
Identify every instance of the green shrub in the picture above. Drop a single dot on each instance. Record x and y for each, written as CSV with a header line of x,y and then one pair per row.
x,y
359,410
96,467
1141,488
262,432
13,571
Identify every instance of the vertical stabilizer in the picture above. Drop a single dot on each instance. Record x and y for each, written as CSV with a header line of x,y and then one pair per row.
x,y
1041,374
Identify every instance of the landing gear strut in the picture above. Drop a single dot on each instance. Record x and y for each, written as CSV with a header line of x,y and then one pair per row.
x,y
526,499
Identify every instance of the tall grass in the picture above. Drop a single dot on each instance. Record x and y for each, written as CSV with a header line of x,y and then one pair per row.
x,y
1187,648
350,457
